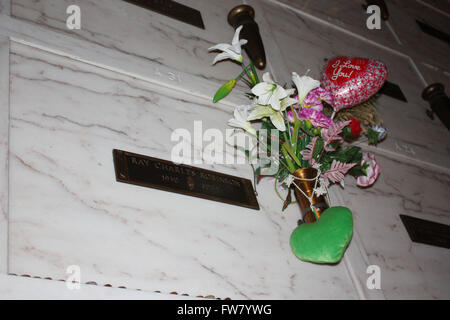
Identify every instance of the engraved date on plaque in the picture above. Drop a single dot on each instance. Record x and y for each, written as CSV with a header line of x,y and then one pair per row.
x,y
165,175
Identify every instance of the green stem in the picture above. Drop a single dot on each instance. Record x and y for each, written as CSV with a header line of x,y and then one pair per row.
x,y
291,166
254,177
266,146
278,192
291,153
249,75
296,129
286,121
247,83
254,71
240,75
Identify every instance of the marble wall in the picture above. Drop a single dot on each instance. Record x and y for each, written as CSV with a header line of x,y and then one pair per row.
x,y
306,44
128,28
413,181
66,208
4,146
73,96
343,15
408,270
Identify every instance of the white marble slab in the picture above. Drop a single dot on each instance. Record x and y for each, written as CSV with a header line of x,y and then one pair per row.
x,y
5,7
432,74
66,208
41,37
4,145
417,43
305,44
408,270
419,272
442,6
348,15
128,28
400,33
25,288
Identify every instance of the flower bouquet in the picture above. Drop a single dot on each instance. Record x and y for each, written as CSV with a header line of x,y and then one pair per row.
x,y
305,150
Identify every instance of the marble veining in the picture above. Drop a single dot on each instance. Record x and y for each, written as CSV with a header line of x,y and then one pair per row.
x,y
437,5
412,181
349,15
408,270
4,145
433,74
424,47
67,114
37,288
67,209
143,33
317,42
5,6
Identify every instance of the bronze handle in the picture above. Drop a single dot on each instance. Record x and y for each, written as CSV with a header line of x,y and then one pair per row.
x,y
439,102
244,15
382,5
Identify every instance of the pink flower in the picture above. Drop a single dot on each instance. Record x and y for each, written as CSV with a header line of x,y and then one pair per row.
x,y
317,118
313,111
373,171
315,97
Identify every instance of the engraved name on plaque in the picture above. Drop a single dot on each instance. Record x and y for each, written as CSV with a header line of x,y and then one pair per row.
x,y
165,175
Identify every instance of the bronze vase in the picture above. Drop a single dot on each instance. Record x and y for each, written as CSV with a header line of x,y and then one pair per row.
x,y
319,203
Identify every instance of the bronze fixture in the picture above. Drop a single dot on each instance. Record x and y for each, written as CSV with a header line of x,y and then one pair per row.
x,y
244,15
439,103
306,184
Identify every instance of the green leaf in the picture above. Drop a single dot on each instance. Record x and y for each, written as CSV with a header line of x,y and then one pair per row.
x,y
302,145
373,136
282,175
353,155
254,72
297,124
318,148
357,171
291,153
224,90
335,144
346,133
288,200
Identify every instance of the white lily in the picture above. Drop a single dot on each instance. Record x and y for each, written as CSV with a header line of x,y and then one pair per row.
x,y
240,120
230,51
269,93
275,116
304,85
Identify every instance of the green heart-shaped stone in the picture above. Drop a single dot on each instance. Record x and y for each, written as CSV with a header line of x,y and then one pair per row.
x,y
324,241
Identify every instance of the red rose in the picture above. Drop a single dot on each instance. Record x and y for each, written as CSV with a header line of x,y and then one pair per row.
x,y
355,126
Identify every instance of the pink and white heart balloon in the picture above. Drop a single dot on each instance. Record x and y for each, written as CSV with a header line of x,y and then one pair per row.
x,y
352,81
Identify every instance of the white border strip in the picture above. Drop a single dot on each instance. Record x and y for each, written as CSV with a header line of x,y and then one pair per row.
x,y
19,288
4,152
434,8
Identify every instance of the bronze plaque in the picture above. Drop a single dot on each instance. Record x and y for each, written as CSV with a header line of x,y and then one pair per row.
x,y
165,175
427,232
393,90
173,10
